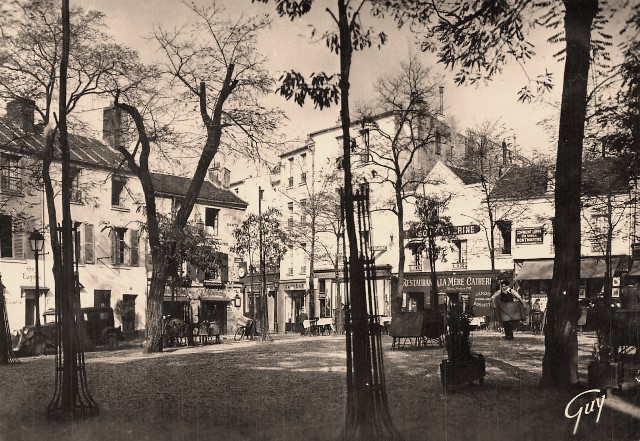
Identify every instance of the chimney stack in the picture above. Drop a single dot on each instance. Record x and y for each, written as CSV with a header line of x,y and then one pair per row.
x,y
112,126
20,112
504,153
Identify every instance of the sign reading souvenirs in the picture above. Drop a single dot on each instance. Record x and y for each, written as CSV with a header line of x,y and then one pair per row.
x,y
529,235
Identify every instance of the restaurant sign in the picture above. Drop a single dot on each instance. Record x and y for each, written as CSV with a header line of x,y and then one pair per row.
x,y
475,284
529,235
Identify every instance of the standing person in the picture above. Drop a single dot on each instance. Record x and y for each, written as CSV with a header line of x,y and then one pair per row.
x,y
503,302
630,297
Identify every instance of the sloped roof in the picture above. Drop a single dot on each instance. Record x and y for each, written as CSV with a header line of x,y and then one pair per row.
x,y
92,152
83,150
598,177
210,194
522,183
468,177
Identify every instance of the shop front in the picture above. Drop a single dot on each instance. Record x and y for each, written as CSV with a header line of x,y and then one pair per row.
x,y
198,304
474,287
295,303
252,290
534,276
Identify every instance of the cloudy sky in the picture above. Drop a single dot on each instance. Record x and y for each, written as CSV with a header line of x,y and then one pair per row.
x,y
288,46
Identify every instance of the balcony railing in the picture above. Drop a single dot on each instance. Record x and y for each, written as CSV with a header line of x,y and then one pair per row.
x,y
459,265
415,267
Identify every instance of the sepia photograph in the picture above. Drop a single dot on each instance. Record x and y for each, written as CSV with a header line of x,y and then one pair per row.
x,y
336,220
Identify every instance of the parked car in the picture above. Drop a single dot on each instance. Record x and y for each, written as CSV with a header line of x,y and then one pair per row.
x,y
96,328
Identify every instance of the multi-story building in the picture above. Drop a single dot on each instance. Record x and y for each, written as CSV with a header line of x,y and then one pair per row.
x,y
105,206
522,215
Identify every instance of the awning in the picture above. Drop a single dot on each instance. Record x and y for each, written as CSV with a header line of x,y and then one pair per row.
x,y
595,268
536,270
29,292
590,268
214,298
635,268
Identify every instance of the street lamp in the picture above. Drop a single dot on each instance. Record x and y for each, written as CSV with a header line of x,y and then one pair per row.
x,y
36,243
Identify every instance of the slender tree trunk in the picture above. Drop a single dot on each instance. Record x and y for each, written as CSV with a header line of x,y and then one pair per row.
x,y
560,362
396,304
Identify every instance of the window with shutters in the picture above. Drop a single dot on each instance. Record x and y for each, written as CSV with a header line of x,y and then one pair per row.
x,y
6,236
211,220
502,238
10,179
119,249
89,251
135,259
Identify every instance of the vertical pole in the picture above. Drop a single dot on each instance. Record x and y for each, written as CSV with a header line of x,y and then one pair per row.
x,y
36,255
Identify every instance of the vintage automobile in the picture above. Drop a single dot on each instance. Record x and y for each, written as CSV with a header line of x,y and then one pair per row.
x,y
96,328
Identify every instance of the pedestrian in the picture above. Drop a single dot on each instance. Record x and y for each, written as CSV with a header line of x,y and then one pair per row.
x,y
630,297
504,301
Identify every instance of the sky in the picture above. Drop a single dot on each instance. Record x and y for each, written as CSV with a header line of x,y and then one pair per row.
x,y
288,46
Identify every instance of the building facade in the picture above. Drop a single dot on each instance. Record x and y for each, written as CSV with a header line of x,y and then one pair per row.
x,y
106,206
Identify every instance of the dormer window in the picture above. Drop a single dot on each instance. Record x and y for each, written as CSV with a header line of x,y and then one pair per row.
x,y
10,179
117,191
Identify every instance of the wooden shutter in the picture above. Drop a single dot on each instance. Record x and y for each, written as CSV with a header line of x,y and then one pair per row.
x,y
89,255
135,259
114,245
18,241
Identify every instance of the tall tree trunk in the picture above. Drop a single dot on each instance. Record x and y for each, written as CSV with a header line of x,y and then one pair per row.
x,y
560,362
360,404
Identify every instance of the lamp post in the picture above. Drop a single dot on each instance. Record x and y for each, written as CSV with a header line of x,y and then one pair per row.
x,y
36,243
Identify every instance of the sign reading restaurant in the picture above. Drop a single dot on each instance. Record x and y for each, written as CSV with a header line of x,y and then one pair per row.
x,y
529,235
477,284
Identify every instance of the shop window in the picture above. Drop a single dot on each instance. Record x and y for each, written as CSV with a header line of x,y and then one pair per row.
x,y
502,238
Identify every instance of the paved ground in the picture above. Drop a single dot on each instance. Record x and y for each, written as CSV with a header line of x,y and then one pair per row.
x,y
294,389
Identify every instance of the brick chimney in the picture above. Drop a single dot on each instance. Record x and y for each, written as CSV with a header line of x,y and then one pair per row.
x,y
220,176
20,112
112,126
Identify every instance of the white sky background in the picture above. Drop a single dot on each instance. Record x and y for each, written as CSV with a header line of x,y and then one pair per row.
x,y
288,46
